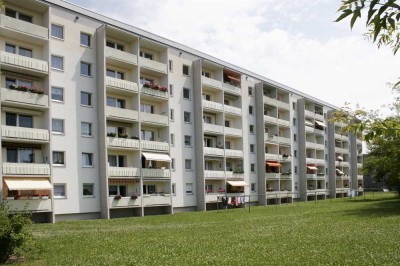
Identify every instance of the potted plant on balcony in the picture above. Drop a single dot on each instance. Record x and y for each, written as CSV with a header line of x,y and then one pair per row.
x,y
239,171
134,137
122,135
117,197
164,89
110,134
36,196
36,90
45,197
156,87
134,196
147,85
221,190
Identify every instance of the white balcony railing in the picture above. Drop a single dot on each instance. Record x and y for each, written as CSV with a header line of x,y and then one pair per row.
x,y
24,27
311,176
213,105
154,145
121,56
231,88
24,62
271,156
309,114
211,128
162,173
153,92
23,133
154,119
232,110
272,175
283,140
121,84
213,197
123,171
282,105
233,153
24,98
233,131
212,83
270,137
214,174
121,114
152,200
213,151
270,119
283,122
153,65
360,177
123,143
124,202
233,175
29,205
26,169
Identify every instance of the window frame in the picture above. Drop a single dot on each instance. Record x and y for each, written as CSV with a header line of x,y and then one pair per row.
x,y
190,191
51,94
90,130
183,70
189,143
89,36
89,98
63,126
188,94
64,190
188,162
187,115
63,159
90,157
62,31
92,190
62,62
89,68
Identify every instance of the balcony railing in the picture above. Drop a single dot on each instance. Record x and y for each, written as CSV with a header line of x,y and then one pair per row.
x,y
26,169
154,119
153,92
121,56
121,84
152,200
123,143
233,175
154,145
24,27
24,98
232,89
214,174
272,175
340,163
153,65
123,171
232,110
233,131
270,119
271,138
162,173
213,151
282,105
213,197
24,62
360,177
212,83
124,202
309,113
211,128
233,153
213,105
29,204
21,133
284,140
341,137
121,114
311,176
283,122
271,156
341,150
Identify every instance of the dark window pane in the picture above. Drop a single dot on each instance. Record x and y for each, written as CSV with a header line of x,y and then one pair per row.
x,y
25,52
25,18
26,121
12,155
11,119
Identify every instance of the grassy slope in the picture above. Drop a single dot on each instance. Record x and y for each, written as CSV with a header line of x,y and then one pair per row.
x,y
341,231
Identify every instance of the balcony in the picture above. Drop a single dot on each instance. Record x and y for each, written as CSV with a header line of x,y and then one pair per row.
x,y
213,83
25,134
24,64
311,176
209,151
153,92
154,200
309,113
343,164
360,177
341,137
270,137
213,105
154,145
285,158
121,85
123,171
319,117
319,146
271,156
153,65
321,176
118,57
230,131
29,205
121,114
23,30
212,128
14,97
154,119
282,105
359,165
342,150
122,143
231,89
124,202
272,175
25,169
283,140
213,197
156,173
270,119
284,123
233,153
214,174
309,129
232,110
233,175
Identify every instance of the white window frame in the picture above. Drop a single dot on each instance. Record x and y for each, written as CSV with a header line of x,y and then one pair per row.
x,y
188,162
90,129
91,157
189,94
89,68
63,157
62,61
90,99
51,31
89,38
63,126
189,188
83,190
188,70
64,190
51,94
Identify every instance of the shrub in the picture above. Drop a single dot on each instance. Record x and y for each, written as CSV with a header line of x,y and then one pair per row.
x,y
14,233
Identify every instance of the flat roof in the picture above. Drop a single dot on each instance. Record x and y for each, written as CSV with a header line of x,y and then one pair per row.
x,y
151,36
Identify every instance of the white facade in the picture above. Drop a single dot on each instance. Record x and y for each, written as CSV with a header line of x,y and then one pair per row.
x,y
132,124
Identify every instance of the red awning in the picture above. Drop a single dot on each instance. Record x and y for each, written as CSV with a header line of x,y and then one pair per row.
x,y
273,164
233,78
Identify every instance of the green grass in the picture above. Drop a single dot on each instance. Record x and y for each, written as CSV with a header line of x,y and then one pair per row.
x,y
342,231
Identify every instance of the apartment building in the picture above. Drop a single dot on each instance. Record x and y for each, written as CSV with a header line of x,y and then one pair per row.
x,y
100,119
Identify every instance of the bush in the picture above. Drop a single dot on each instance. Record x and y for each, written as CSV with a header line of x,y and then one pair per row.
x,y
14,233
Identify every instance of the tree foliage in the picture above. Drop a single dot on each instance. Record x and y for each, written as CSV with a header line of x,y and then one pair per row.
x,y
382,19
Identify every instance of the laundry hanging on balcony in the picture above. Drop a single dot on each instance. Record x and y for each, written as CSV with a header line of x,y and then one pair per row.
x,y
163,157
28,184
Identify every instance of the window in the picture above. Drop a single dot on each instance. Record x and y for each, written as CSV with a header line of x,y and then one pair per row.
x,y
326,157
59,191
172,139
148,135
88,190
294,105
252,148
172,163
227,144
87,159
12,81
186,117
252,168
251,129
294,121
115,45
57,125
116,160
146,55
206,74
86,129
171,114
149,189
146,108
115,74
250,91
58,158
188,164
207,97
57,62
185,70
188,140
295,169
20,155
170,65
117,190
18,120
174,189
189,188
250,109
207,119
57,31
86,69
208,142
86,98
18,15
10,48
186,93
85,39
295,153
227,123
171,90
294,137
57,94
253,187
25,52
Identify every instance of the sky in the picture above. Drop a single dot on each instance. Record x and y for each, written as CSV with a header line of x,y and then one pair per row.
x,y
295,43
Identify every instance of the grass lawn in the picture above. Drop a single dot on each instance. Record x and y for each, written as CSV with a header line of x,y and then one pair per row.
x,y
342,231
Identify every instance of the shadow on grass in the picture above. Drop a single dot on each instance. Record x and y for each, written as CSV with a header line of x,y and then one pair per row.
x,y
377,207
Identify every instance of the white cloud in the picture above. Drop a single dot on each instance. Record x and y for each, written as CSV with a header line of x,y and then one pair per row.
x,y
293,42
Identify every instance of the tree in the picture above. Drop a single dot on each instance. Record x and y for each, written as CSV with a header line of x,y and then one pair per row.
x,y
382,19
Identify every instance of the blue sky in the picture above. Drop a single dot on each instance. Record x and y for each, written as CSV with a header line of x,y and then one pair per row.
x,y
292,42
